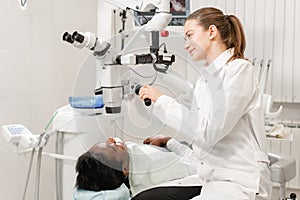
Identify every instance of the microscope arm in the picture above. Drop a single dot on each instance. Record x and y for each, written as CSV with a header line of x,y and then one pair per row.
x,y
141,5
162,15
158,22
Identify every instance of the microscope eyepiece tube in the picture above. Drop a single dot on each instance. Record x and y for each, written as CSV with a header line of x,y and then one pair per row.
x,y
78,37
145,58
134,59
68,38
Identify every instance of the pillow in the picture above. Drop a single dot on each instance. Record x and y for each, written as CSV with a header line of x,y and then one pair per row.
x,y
121,193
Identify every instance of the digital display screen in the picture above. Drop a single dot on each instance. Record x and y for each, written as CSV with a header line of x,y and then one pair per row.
x,y
180,9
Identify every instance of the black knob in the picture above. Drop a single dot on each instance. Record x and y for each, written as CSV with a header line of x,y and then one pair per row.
x,y
98,91
147,101
293,196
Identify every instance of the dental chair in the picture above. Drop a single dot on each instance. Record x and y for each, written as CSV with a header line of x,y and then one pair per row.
x,y
283,169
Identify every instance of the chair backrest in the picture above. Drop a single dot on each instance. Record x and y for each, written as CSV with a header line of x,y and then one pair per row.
x,y
283,167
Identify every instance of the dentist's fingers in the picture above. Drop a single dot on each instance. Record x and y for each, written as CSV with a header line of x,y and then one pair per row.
x,y
147,141
158,140
149,92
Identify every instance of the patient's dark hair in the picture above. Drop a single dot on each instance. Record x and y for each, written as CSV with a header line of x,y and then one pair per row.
x,y
95,173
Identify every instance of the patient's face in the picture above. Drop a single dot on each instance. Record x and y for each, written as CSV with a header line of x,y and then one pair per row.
x,y
113,149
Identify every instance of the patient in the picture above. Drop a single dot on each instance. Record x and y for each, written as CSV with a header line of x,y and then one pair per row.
x,y
106,168
96,179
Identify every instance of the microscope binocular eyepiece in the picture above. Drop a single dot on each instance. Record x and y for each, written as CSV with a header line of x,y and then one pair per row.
x,y
68,38
137,88
74,37
78,37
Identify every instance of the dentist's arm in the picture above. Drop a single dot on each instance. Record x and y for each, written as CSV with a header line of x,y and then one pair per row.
x,y
180,117
172,145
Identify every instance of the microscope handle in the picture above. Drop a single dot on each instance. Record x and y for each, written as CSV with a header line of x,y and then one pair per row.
x,y
147,101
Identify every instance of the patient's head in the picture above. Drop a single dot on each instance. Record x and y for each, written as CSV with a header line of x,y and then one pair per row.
x,y
103,167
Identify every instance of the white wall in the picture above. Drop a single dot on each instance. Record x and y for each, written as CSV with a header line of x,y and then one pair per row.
x,y
38,71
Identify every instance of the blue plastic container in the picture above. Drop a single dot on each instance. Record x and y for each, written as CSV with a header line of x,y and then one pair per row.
x,y
85,102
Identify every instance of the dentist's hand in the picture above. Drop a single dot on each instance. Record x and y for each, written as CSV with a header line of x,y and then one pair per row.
x,y
149,92
157,140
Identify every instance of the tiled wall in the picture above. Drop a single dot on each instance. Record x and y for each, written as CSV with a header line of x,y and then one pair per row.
x,y
37,74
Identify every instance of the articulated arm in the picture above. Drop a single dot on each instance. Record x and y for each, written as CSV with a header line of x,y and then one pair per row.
x,y
158,22
161,7
141,5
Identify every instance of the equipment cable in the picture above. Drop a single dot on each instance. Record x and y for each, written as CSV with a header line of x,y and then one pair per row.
x,y
23,2
28,173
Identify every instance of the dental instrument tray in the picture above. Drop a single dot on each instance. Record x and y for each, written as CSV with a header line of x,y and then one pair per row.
x,y
86,102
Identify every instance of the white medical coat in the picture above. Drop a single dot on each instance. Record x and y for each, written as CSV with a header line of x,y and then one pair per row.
x,y
152,166
225,122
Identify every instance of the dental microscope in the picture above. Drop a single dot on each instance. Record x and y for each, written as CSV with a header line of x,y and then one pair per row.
x,y
113,60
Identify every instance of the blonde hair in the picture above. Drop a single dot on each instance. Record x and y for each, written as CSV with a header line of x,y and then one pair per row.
x,y
229,27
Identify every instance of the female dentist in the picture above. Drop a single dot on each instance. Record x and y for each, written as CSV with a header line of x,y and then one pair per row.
x,y
225,120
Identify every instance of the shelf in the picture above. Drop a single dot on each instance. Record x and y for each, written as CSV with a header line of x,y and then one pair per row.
x,y
288,137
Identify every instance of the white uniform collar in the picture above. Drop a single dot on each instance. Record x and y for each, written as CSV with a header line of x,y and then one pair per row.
x,y
220,61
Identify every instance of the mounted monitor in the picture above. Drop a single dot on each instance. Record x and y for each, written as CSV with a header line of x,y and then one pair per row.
x,y
180,9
